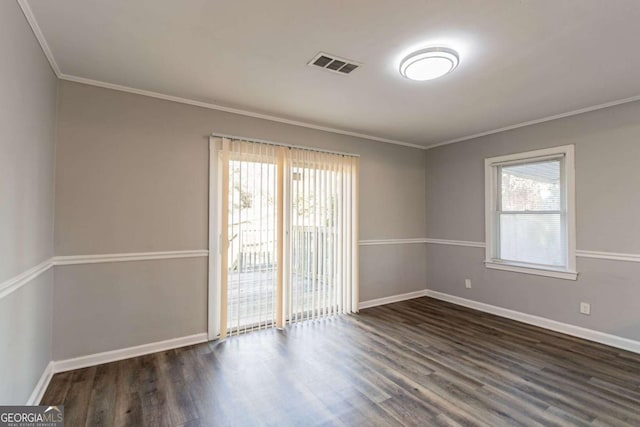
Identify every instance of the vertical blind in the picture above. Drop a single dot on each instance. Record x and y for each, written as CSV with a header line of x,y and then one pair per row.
x,y
250,194
321,224
289,233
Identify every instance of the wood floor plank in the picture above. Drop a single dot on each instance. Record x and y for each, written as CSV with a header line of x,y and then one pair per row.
x,y
155,411
418,362
76,402
58,389
102,405
181,407
128,405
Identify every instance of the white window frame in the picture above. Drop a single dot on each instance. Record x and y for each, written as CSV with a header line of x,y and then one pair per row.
x,y
491,166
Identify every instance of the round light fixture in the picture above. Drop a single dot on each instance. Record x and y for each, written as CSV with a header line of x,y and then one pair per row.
x,y
429,64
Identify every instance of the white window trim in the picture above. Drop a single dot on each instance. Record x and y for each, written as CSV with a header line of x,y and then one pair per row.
x,y
491,187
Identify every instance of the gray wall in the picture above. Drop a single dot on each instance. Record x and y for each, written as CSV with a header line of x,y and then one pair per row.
x,y
101,307
608,210
27,131
132,176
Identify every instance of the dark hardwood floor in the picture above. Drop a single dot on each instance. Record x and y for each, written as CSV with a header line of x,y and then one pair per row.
x,y
419,362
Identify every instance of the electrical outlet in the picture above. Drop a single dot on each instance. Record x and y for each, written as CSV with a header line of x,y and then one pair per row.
x,y
585,308
467,283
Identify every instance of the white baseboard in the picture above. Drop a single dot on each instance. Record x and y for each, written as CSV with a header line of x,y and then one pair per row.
x,y
565,328
41,386
391,299
126,353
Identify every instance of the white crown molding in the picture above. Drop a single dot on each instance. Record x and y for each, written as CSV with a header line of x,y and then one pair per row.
x,y
565,328
16,282
123,257
41,386
537,121
615,256
31,19
238,111
28,13
392,299
126,353
263,116
376,242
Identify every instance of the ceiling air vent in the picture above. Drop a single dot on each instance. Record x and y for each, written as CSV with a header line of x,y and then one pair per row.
x,y
334,63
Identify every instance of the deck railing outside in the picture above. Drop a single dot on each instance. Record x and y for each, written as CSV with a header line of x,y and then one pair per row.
x,y
252,272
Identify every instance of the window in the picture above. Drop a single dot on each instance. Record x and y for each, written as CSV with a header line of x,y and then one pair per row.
x,y
530,212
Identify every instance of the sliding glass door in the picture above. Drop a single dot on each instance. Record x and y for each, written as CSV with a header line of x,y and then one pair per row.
x,y
288,234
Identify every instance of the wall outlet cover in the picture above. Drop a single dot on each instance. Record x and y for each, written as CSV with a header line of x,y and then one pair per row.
x,y
467,283
585,308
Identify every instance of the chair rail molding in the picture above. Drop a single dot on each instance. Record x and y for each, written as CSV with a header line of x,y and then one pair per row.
x,y
16,282
130,256
466,243
613,256
377,242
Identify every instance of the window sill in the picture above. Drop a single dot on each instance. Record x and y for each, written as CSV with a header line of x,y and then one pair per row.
x,y
558,274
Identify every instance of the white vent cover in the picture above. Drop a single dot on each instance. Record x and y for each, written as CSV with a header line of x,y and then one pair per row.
x,y
333,63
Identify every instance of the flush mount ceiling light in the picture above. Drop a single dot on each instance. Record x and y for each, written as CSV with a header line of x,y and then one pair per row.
x,y
429,64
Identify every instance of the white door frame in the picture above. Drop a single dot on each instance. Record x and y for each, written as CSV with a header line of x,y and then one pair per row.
x,y
213,300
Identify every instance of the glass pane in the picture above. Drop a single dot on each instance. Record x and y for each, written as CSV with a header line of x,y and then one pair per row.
x,y
532,238
531,187
252,259
314,194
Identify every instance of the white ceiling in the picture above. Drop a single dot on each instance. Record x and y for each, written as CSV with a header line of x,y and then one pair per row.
x,y
520,60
